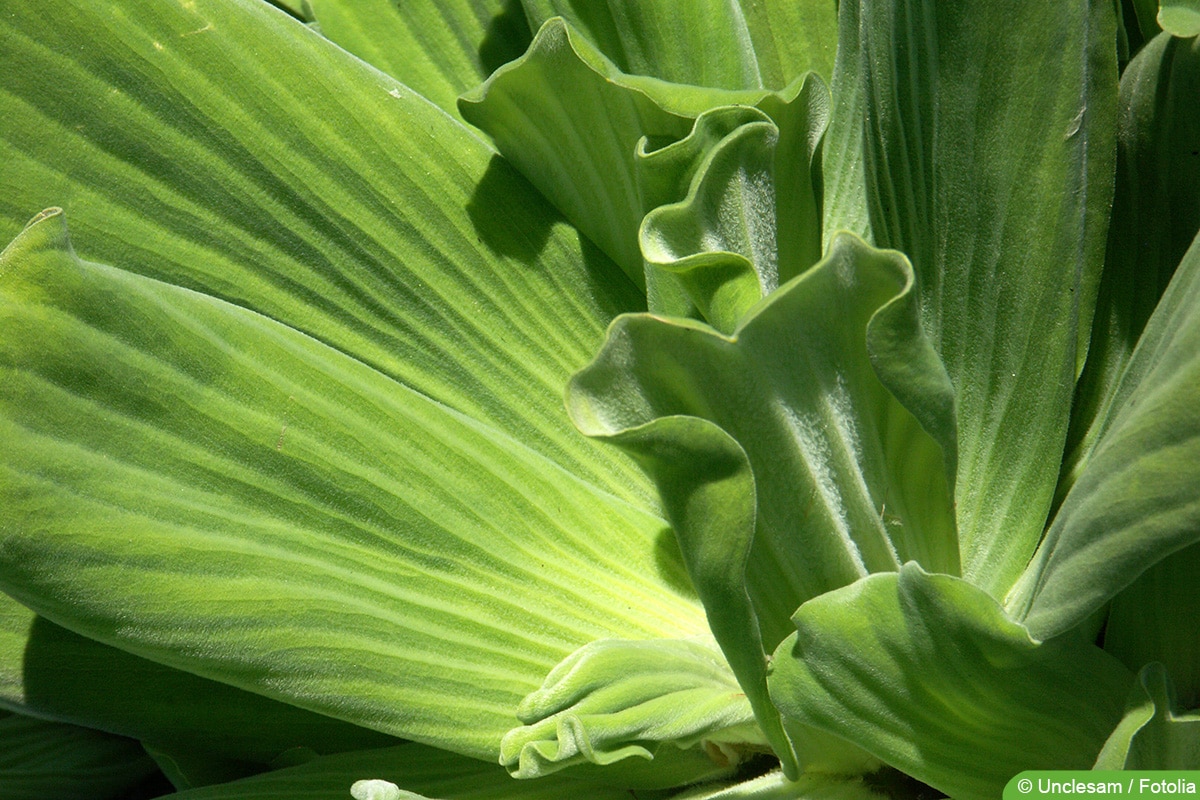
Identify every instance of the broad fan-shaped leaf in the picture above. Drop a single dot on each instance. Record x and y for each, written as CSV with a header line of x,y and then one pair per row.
x,y
928,673
228,148
210,489
41,665
994,175
438,48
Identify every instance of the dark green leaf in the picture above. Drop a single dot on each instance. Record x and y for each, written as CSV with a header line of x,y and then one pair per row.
x,y
40,759
1156,214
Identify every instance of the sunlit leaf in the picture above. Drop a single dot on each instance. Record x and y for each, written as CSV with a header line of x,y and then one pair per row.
x,y
786,466
220,493
227,148
613,700
438,48
697,42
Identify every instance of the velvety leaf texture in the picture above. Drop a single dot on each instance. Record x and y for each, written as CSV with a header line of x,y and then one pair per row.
x,y
994,175
987,694
229,149
306,528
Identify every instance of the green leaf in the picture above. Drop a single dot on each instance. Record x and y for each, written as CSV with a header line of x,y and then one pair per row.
x,y
438,49
1135,502
612,700
1153,734
731,208
1145,14
1179,17
843,160
1156,213
719,241
994,175
774,786
40,668
40,759
418,772
928,673
697,42
792,37
786,467
571,121
227,148
1145,622
207,488
187,769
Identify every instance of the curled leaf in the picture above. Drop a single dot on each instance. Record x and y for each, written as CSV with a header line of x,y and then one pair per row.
x,y
616,699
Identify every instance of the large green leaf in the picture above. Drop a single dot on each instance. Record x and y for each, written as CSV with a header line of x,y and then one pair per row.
x,y
928,673
40,759
1136,501
697,42
785,465
438,48
792,37
40,668
207,488
989,159
1156,214
223,146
